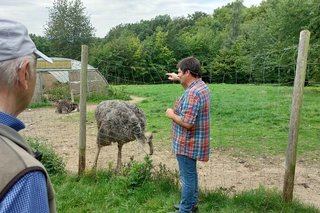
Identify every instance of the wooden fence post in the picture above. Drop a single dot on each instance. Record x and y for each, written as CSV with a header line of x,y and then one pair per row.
x,y
83,110
295,116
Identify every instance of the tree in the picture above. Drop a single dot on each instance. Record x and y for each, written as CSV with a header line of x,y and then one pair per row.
x,y
273,37
231,65
235,44
43,44
121,60
236,20
68,28
159,57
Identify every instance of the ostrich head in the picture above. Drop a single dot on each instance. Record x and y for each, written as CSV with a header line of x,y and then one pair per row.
x,y
146,138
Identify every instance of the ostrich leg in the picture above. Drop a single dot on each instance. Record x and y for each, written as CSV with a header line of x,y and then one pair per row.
x,y
119,156
151,148
96,159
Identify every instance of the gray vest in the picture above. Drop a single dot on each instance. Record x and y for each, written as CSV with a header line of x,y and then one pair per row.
x,y
16,160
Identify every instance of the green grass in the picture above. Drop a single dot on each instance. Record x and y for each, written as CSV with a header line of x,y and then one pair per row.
x,y
52,162
106,192
111,92
44,103
247,118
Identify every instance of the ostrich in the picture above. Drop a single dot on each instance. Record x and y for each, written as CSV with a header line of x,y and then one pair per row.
x,y
65,106
120,122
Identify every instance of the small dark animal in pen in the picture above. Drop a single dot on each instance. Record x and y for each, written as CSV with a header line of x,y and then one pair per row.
x,y
120,122
65,106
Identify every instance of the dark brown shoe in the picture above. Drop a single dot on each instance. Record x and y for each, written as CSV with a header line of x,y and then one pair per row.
x,y
176,206
194,209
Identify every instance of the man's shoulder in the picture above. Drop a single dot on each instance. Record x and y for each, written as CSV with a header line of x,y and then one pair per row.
x,y
199,88
15,163
12,151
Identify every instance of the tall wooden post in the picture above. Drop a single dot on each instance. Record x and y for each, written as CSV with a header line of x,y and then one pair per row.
x,y
83,110
295,116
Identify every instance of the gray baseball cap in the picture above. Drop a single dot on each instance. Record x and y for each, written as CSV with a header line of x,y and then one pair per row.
x,y
15,41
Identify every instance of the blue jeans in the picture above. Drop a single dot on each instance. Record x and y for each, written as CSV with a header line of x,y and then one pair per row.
x,y
189,182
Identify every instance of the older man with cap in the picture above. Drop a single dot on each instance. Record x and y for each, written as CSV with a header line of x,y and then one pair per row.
x,y
24,183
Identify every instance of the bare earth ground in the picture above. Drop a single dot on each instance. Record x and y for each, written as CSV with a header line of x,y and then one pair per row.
x,y
232,174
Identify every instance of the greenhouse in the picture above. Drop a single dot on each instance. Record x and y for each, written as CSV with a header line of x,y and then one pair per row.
x,y
65,71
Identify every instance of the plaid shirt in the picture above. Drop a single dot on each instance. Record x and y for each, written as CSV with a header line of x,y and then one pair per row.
x,y
193,107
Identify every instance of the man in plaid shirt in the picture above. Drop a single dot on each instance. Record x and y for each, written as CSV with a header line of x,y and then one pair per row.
x,y
190,129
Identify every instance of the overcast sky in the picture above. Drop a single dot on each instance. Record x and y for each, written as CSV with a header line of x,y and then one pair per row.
x,y
105,14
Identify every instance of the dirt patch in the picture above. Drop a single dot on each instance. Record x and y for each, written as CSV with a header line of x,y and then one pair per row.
x,y
233,174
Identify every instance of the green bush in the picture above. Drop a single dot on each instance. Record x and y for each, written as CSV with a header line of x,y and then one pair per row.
x,y
117,93
62,91
52,162
43,103
163,175
110,93
138,173
59,91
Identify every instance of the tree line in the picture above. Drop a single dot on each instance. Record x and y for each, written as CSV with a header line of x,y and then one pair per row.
x,y
235,44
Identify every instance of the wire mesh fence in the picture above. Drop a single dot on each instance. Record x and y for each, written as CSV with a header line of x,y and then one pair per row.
x,y
249,133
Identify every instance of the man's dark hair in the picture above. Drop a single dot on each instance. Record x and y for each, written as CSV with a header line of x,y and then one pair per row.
x,y
192,64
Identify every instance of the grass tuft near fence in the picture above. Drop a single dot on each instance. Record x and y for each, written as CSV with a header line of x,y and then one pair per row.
x,y
105,191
